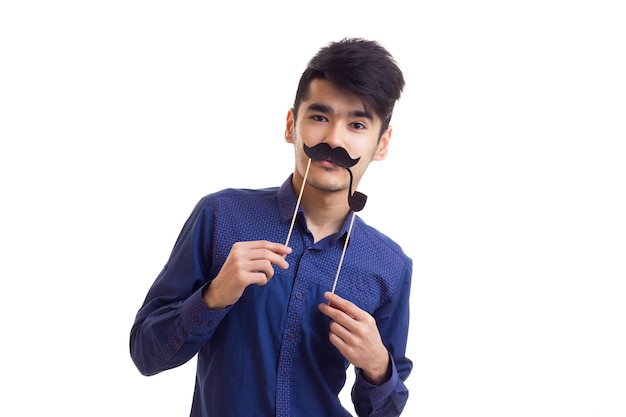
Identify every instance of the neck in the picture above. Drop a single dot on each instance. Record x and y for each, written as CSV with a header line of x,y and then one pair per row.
x,y
325,211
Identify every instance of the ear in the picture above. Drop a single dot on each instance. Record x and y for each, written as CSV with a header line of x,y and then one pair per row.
x,y
383,145
289,126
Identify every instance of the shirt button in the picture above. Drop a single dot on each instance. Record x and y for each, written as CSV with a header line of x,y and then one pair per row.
x,y
211,323
299,295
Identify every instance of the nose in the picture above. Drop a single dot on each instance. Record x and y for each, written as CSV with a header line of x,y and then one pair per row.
x,y
335,135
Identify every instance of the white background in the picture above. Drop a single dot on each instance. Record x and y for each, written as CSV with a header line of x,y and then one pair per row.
x,y
505,183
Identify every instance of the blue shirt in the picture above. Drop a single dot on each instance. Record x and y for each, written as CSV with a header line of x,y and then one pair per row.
x,y
269,353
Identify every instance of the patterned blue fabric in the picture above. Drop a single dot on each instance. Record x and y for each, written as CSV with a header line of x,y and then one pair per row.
x,y
269,354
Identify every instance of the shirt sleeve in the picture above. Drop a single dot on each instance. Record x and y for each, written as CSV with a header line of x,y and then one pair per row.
x,y
389,399
173,322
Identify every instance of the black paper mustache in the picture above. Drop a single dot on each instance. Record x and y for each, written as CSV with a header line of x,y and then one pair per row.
x,y
323,151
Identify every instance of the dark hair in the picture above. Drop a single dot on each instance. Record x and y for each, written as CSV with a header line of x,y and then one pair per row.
x,y
360,66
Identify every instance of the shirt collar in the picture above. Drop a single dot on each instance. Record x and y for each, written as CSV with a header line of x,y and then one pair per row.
x,y
287,201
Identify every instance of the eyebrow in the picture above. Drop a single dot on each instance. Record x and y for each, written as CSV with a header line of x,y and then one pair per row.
x,y
323,108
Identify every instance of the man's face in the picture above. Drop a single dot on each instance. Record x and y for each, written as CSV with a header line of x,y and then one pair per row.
x,y
339,119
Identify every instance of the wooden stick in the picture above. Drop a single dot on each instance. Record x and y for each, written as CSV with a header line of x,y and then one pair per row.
x,y
295,212
343,252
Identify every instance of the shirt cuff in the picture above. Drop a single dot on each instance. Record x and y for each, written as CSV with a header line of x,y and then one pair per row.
x,y
196,318
378,393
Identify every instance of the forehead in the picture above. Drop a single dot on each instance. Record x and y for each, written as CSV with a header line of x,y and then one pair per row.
x,y
324,89
325,93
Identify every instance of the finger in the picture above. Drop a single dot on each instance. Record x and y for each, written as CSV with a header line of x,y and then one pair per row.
x,y
347,307
275,247
261,244
250,252
261,266
341,332
338,342
272,251
278,259
337,316
258,278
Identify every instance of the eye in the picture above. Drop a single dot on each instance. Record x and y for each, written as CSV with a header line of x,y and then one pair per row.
x,y
358,126
319,118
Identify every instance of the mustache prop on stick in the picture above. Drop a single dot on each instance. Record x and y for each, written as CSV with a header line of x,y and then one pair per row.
x,y
340,157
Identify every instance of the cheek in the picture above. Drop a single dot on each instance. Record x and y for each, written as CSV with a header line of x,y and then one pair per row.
x,y
312,133
298,150
364,151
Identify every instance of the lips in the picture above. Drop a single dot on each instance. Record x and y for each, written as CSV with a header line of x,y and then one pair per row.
x,y
328,163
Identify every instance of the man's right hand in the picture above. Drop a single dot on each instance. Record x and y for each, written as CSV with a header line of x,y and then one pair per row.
x,y
247,263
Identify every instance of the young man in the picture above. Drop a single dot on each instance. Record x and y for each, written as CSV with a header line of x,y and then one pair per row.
x,y
276,308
